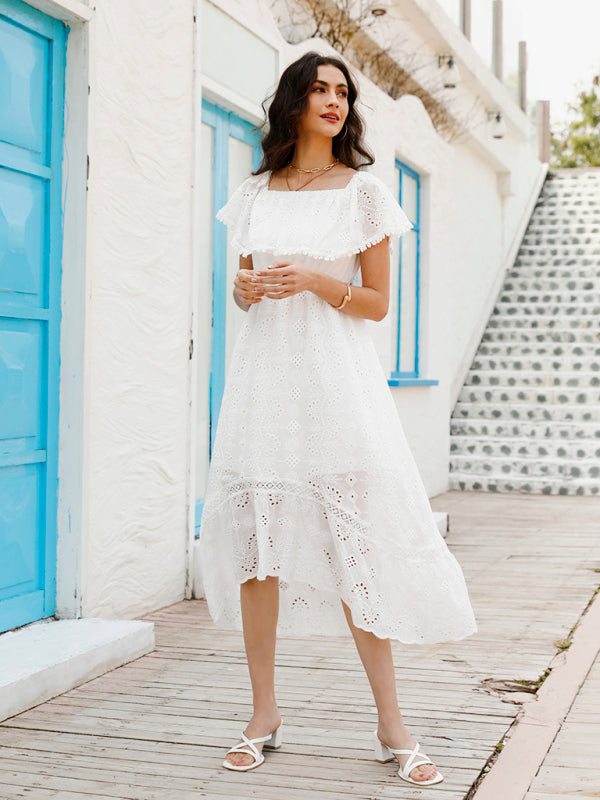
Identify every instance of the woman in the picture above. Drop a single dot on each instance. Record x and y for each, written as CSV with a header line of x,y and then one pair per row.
x,y
314,506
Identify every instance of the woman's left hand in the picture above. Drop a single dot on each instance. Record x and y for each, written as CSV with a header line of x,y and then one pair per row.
x,y
285,278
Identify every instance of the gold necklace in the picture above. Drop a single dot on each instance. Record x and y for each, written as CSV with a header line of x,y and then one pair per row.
x,y
318,172
315,169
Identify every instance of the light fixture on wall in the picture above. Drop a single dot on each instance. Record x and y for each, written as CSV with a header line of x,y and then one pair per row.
x,y
380,7
497,124
450,74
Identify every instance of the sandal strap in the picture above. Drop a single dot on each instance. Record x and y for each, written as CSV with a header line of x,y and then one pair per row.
x,y
247,746
416,759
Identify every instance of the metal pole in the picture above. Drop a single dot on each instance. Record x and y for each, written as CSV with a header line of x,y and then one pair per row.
x,y
465,18
543,123
497,42
523,76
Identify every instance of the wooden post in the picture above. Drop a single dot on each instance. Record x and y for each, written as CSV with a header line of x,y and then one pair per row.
x,y
543,125
497,39
465,18
523,76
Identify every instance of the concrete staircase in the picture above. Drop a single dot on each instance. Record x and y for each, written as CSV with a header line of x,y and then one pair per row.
x,y
528,417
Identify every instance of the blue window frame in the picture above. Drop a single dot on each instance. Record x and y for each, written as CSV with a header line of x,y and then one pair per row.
x,y
406,366
236,151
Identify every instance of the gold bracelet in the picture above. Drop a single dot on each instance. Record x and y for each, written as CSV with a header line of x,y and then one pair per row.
x,y
346,299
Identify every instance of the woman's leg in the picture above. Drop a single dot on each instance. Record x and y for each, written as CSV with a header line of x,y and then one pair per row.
x,y
376,657
260,608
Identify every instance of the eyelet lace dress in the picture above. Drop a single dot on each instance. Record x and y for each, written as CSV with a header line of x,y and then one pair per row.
x,y
311,477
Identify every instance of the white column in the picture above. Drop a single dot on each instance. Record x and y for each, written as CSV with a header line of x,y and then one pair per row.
x,y
465,18
543,125
523,76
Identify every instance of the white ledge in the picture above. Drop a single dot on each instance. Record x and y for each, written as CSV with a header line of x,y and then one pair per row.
x,y
48,658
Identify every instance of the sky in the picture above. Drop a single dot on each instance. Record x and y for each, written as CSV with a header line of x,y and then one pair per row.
x,y
563,44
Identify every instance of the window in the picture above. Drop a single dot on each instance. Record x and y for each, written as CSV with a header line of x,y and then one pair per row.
x,y
230,151
405,285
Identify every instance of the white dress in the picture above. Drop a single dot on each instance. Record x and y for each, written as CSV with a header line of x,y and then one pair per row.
x,y
311,478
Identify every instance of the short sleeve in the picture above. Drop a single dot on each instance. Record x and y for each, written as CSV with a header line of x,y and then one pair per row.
x,y
236,213
379,212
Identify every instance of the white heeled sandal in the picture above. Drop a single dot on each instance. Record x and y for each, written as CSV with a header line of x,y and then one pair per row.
x,y
384,753
273,740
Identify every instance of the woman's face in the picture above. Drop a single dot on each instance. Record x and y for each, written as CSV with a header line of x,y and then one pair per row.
x,y
327,106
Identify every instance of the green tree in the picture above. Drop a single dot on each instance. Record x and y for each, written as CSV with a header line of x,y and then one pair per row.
x,y
578,145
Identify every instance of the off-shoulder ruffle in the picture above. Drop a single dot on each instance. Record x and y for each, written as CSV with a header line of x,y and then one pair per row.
x,y
327,224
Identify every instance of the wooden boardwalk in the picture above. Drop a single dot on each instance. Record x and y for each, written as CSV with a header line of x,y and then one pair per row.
x,y
157,728
571,768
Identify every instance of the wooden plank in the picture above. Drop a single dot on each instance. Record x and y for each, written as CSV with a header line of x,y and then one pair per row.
x,y
160,726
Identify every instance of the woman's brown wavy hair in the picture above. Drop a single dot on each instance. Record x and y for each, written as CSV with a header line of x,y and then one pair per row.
x,y
287,106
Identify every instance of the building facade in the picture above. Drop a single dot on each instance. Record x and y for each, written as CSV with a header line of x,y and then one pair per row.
x,y
127,126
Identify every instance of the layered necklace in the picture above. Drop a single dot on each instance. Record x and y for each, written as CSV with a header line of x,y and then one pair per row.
x,y
315,172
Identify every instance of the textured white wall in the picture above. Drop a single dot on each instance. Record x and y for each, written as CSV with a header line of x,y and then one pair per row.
x,y
136,414
467,229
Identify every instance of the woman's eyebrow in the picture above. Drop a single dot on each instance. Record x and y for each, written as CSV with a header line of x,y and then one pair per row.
x,y
340,85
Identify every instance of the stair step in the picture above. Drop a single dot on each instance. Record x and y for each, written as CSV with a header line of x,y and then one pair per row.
x,y
529,335
548,395
562,239
554,268
549,429
534,349
520,379
539,322
561,298
525,449
522,412
473,483
569,469
563,365
520,284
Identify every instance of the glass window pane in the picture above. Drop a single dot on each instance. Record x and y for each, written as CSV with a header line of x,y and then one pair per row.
x,y
410,197
240,166
394,280
408,302
203,334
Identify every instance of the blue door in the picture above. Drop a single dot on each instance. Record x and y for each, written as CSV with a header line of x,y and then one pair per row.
x,y
32,59
230,152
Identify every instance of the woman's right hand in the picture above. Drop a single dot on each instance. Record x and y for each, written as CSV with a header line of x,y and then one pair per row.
x,y
247,287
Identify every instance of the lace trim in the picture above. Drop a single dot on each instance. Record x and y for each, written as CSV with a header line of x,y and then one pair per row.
x,y
348,222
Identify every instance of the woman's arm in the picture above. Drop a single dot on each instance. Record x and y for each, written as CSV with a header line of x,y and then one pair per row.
x,y
246,290
369,301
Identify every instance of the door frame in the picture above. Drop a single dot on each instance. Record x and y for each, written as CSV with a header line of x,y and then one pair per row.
x,y
22,609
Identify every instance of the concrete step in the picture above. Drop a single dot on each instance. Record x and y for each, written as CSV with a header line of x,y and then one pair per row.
x,y
546,322
572,350
562,239
557,266
541,310
47,658
563,364
567,469
588,250
530,379
522,412
504,447
542,395
548,429
528,335
525,485
520,284
563,297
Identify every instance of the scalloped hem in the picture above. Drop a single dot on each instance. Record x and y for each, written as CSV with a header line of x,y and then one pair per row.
x,y
290,628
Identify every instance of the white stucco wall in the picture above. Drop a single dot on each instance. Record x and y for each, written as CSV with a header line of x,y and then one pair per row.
x,y
144,275
138,274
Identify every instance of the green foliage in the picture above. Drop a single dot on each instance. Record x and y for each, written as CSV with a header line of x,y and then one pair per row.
x,y
578,145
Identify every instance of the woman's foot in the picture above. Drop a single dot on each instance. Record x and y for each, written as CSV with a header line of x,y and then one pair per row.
x,y
259,725
397,737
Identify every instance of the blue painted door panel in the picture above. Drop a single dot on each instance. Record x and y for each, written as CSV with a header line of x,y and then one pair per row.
x,y
32,53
